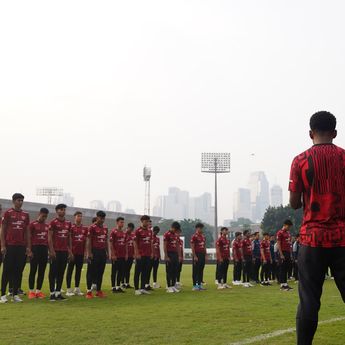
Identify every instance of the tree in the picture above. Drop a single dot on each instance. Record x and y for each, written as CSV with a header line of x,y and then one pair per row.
x,y
188,229
241,222
275,216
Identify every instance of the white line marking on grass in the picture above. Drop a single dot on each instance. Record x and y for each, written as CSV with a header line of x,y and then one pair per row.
x,y
281,332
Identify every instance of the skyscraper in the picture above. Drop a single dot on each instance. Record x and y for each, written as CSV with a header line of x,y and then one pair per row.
x,y
114,206
242,204
97,205
259,194
276,196
201,208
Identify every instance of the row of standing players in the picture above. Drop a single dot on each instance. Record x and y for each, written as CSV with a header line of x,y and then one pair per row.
x,y
67,245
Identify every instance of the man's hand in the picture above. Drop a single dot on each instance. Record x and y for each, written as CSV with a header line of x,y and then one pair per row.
x,y
71,257
138,257
29,253
52,255
196,258
167,259
3,250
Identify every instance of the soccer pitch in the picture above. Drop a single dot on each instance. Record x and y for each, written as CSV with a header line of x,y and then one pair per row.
x,y
208,317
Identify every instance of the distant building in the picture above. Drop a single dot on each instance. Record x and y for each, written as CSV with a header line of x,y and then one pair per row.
x,y
66,199
242,204
201,208
97,205
129,211
276,196
114,206
259,194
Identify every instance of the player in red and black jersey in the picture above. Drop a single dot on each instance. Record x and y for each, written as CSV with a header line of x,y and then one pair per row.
x,y
318,178
266,259
156,256
118,252
247,251
143,252
39,246
78,237
285,254
172,254
198,246
130,236
15,244
237,255
223,258
97,245
60,250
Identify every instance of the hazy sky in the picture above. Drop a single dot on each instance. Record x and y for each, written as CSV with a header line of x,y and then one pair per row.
x,y
90,91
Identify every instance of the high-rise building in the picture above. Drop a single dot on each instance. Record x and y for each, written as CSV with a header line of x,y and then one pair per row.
x,y
201,208
114,206
259,194
97,205
276,196
66,199
130,211
242,204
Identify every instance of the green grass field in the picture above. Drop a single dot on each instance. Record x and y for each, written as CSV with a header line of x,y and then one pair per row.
x,y
209,317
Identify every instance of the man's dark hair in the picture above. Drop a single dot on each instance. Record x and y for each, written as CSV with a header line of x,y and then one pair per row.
x,y
297,236
323,121
119,218
199,226
130,225
238,233
93,219
145,217
265,234
44,210
17,196
176,226
60,207
101,214
288,222
77,213
246,232
224,228
256,232
156,229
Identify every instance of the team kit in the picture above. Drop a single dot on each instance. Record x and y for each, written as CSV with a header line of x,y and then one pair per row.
x,y
67,245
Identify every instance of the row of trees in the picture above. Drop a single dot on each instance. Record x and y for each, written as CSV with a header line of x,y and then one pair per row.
x,y
271,223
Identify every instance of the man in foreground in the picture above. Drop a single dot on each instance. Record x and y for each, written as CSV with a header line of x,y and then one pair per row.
x,y
318,178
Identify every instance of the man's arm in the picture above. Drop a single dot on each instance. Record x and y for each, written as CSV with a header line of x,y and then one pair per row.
x,y
3,231
28,241
280,250
219,258
50,243
296,200
192,245
69,247
166,257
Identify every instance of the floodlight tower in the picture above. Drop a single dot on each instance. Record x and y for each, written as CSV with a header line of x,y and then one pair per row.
x,y
215,163
49,192
147,179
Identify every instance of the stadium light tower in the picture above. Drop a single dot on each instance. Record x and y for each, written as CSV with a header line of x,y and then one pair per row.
x,y
147,179
215,163
49,192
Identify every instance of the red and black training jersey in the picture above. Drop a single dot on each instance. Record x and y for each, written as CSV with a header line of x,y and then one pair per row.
x,y
247,247
98,236
156,247
79,234
16,223
319,173
130,246
172,240
61,231
223,244
39,233
266,246
199,241
118,241
236,249
143,238
284,237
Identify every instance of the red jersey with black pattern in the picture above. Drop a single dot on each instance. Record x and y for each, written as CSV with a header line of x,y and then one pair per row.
x,y
98,236
247,247
39,233
199,241
79,235
15,222
284,237
143,238
319,174
156,247
223,244
118,241
237,249
172,241
130,246
61,232
266,246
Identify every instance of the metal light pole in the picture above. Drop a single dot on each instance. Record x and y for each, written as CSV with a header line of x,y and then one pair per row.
x,y
147,178
215,163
